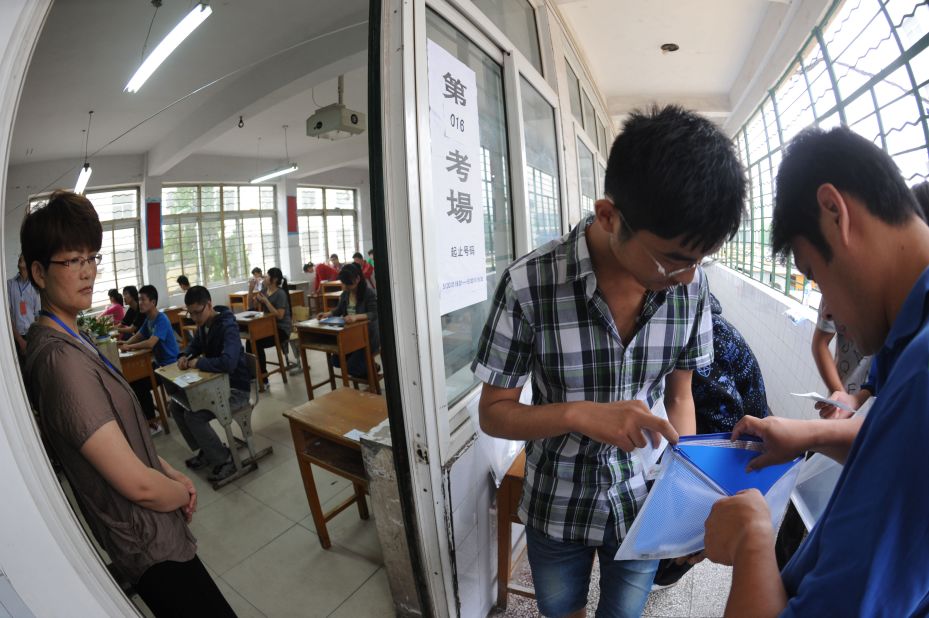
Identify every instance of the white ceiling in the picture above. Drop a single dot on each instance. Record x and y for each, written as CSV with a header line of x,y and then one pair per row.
x,y
277,61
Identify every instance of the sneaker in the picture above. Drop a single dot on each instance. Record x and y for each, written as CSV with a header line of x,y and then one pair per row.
x,y
222,471
155,428
196,462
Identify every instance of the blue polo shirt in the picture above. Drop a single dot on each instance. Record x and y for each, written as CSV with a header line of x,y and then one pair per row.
x,y
166,350
869,553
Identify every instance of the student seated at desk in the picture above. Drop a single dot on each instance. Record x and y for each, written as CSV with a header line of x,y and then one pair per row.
x,y
157,335
133,318
115,311
215,348
358,303
276,301
183,282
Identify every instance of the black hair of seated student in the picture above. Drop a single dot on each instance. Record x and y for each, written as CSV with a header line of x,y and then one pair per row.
x,y
197,295
659,177
308,267
130,291
358,256
851,164
183,282
150,292
921,193
256,271
115,296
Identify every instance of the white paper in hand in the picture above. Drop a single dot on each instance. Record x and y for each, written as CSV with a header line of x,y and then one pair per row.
x,y
820,398
649,455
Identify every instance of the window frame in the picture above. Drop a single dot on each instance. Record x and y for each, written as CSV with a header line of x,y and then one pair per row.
x,y
324,213
221,217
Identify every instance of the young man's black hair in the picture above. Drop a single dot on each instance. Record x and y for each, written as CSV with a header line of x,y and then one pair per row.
x,y
183,281
675,174
256,271
849,162
357,256
197,295
150,292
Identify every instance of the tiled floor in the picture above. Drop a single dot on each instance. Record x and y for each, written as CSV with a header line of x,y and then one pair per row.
x,y
701,593
256,535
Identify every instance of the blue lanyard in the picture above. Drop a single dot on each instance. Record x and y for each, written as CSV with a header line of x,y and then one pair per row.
x,y
57,320
23,287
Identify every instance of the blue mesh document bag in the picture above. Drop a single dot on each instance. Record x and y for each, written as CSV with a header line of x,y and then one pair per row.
x,y
693,475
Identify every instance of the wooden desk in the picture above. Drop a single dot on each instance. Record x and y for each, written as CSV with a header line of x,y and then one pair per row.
x,y
330,286
255,329
331,300
338,340
210,391
176,317
318,429
297,298
240,297
508,495
137,365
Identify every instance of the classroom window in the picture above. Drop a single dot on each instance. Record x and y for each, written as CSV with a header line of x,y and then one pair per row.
x,y
327,223
215,234
574,94
118,210
864,66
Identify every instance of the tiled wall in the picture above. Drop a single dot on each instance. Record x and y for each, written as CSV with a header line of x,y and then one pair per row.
x,y
782,346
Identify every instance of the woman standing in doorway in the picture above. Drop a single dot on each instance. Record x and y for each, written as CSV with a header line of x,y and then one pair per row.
x,y
135,503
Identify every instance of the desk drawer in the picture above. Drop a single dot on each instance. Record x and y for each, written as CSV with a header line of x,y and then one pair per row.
x,y
337,458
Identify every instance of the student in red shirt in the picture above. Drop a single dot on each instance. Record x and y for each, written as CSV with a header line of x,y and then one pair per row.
x,y
323,271
367,271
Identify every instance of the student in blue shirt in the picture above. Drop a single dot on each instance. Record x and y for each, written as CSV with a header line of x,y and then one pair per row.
x,y
844,212
157,335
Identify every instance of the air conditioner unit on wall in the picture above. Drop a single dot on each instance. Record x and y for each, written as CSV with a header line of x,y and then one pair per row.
x,y
335,121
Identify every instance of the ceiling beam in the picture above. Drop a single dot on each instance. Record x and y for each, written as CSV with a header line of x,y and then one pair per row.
x,y
258,89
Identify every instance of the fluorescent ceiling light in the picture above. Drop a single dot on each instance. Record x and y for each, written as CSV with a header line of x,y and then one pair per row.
x,y
82,179
168,45
278,172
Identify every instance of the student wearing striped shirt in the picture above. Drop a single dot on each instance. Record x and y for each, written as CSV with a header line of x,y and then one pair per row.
x,y
609,322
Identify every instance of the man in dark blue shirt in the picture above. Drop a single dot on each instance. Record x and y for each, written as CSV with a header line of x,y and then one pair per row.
x,y
216,348
852,225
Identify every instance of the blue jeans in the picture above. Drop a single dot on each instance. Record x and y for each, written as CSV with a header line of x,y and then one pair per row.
x,y
561,576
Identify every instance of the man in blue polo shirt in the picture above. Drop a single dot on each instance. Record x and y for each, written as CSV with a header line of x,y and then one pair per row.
x,y
156,335
852,225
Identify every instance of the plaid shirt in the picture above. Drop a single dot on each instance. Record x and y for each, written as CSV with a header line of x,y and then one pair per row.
x,y
548,319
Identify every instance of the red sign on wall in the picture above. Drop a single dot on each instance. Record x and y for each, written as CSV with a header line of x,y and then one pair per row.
x,y
153,224
291,214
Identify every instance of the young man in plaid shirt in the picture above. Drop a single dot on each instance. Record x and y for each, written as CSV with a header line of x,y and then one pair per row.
x,y
609,321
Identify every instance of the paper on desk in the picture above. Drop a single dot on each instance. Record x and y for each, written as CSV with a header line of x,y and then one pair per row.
x,y
820,398
187,378
355,435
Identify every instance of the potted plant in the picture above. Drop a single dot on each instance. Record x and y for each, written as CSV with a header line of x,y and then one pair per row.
x,y
98,329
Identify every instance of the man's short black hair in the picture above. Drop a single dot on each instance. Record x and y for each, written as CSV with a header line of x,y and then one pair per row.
x,y
183,280
256,271
357,256
308,267
197,295
370,251
675,174
150,292
849,162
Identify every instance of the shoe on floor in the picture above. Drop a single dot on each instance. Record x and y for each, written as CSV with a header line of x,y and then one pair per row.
x,y
196,462
155,428
222,471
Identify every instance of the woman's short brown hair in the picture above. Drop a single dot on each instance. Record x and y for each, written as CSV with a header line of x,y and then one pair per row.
x,y
67,222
